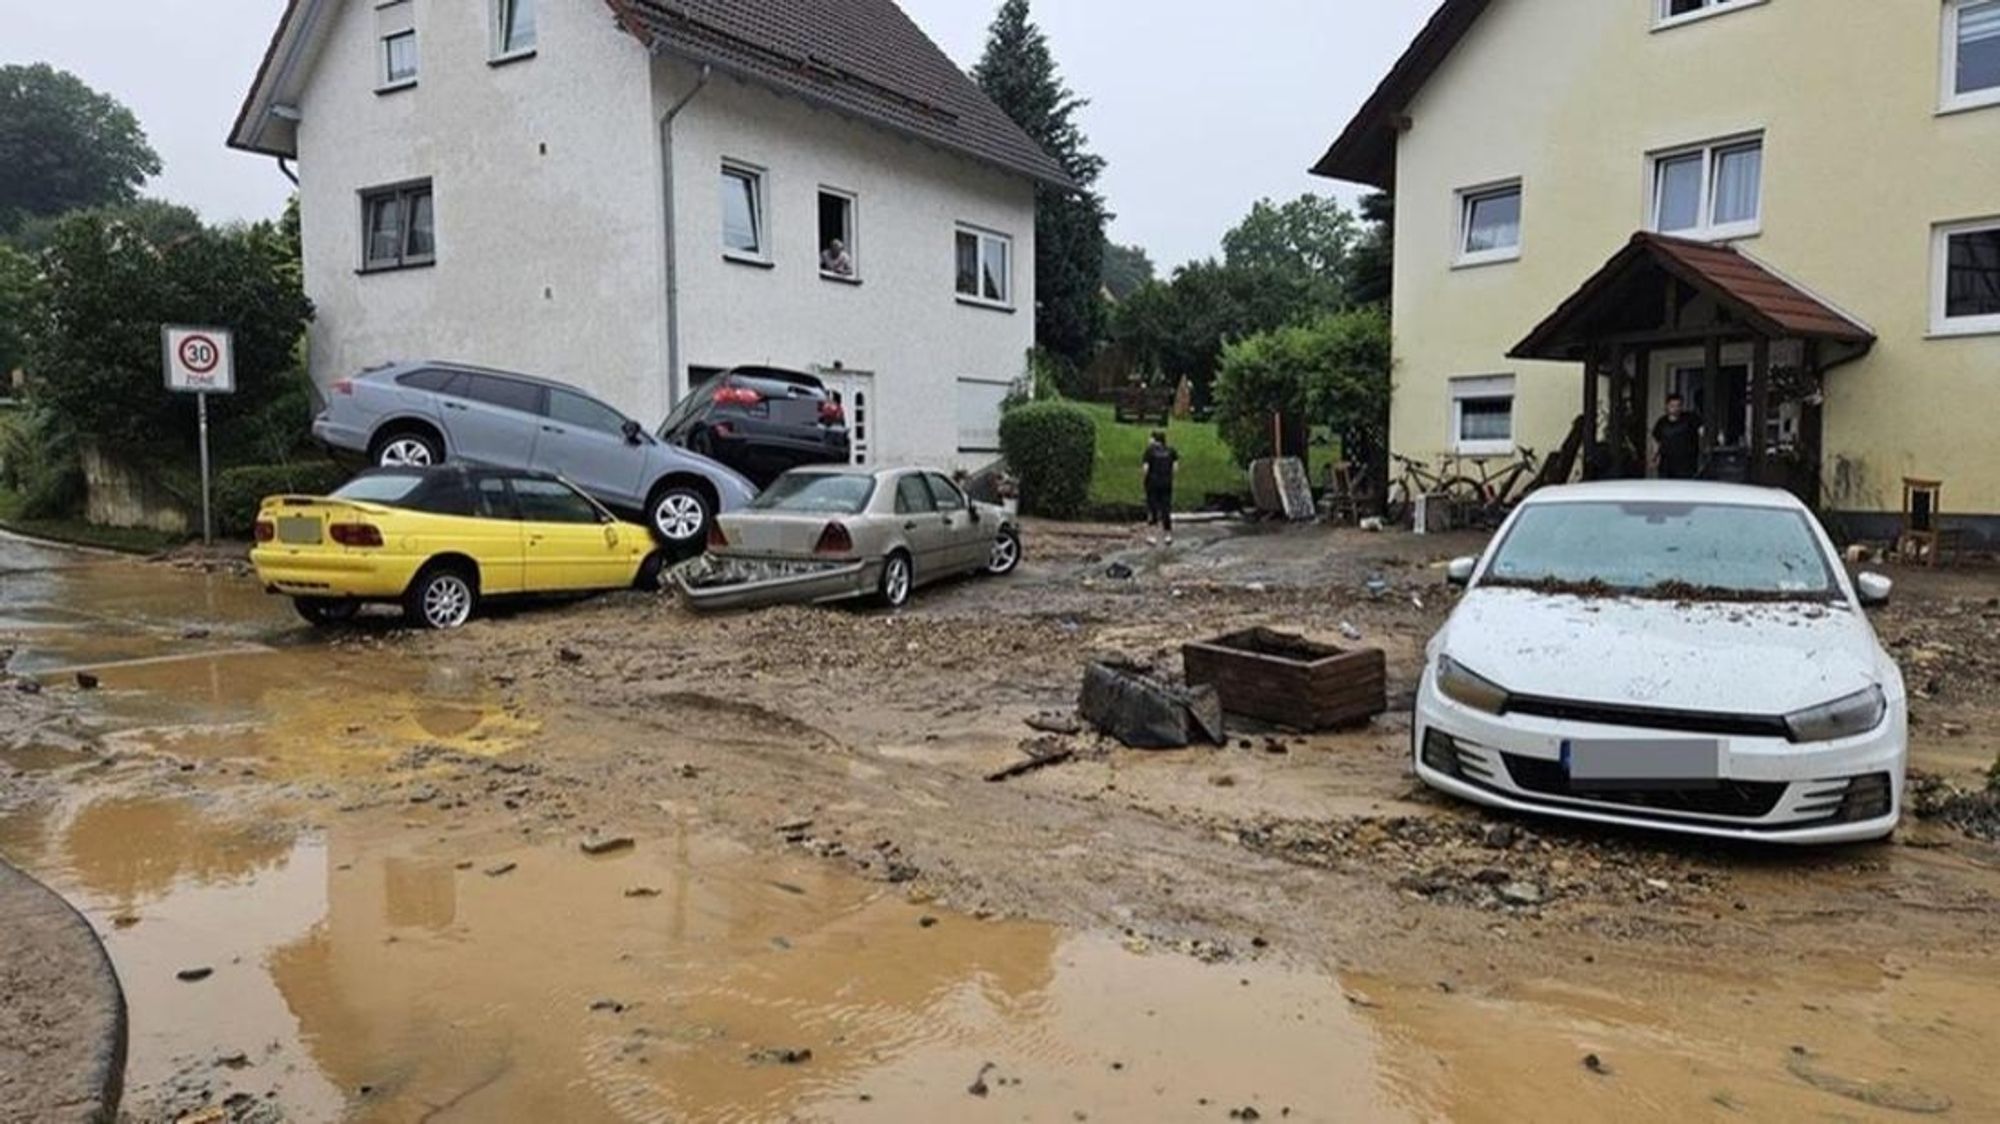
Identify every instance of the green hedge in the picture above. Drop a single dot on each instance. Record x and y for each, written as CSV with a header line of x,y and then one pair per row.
x,y
1050,447
239,491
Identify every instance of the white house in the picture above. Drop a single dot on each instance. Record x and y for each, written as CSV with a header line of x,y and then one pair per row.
x,y
628,194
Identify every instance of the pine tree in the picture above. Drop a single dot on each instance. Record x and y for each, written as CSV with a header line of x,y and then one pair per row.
x,y
1019,74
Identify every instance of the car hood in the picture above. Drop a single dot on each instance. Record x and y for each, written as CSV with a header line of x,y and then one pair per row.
x,y
1762,659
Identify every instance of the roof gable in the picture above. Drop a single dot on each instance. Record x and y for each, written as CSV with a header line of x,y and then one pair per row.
x,y
1365,152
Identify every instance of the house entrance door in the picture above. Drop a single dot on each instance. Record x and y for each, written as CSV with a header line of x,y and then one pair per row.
x,y
856,391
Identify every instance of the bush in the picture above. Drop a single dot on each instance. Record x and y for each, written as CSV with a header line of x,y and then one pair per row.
x,y
39,465
1051,448
1333,372
238,491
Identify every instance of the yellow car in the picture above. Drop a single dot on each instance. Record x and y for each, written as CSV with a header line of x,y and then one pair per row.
x,y
438,541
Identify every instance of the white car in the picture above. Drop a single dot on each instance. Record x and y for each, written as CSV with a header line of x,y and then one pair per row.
x,y
1688,657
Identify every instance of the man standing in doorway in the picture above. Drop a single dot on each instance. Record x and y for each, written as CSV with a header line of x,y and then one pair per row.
x,y
1160,462
1677,442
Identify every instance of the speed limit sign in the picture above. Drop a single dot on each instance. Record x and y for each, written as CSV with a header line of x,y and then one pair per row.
x,y
199,360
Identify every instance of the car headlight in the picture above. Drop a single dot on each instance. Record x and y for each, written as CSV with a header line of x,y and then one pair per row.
x,y
1462,686
1858,713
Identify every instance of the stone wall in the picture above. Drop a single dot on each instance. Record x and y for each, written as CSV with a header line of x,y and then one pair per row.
x,y
121,496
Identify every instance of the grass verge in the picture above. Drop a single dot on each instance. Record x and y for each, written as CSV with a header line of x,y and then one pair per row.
x,y
128,540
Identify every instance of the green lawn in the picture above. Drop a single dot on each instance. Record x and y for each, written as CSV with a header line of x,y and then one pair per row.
x,y
1205,466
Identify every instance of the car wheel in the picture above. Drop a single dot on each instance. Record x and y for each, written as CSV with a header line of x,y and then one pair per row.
x,y
1006,553
679,516
442,597
652,573
897,578
407,450
325,612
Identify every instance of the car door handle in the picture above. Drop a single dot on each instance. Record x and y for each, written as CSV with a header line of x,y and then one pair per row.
x,y
553,429
910,526
454,405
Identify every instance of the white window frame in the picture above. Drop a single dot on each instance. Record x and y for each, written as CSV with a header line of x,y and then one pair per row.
x,y
405,194
498,52
1942,325
988,386
1949,99
852,238
760,202
1664,19
1466,197
395,19
984,237
1708,229
1483,386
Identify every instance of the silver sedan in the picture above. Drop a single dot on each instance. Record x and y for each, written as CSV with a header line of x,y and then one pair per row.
x,y
831,533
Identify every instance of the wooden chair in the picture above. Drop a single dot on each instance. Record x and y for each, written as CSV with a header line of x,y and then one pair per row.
x,y
1341,502
1923,533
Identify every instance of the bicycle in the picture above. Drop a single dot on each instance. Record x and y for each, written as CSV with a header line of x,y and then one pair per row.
x,y
1496,490
1460,492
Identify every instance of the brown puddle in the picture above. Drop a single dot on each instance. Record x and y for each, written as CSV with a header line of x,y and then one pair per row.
x,y
361,979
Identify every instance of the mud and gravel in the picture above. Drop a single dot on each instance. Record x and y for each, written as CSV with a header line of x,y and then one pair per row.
x,y
1474,950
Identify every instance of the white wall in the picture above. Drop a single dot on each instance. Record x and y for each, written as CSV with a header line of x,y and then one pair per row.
x,y
903,321
549,225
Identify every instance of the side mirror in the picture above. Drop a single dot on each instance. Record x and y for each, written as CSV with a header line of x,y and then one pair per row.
x,y
1874,590
1460,571
632,432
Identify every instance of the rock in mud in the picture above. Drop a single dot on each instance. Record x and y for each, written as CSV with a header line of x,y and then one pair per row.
x,y
1499,836
85,681
569,655
606,845
503,868
643,892
780,1055
28,687
1522,894
193,975
1055,723
194,634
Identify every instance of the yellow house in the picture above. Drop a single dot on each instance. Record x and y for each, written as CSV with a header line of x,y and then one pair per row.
x,y
1785,211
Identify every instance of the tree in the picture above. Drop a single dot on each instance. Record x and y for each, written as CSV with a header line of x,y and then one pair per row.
x,y
94,360
1019,73
1309,238
1125,269
1178,329
1332,371
20,293
155,220
1372,266
65,146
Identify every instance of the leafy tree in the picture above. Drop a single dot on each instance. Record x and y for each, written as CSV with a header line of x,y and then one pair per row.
x,y
1371,267
1332,371
1125,269
65,146
155,220
1179,328
1019,73
1309,238
95,356
20,292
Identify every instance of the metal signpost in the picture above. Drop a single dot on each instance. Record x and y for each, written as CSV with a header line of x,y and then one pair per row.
x,y
201,362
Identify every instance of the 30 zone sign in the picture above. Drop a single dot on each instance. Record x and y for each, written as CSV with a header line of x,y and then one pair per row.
x,y
199,360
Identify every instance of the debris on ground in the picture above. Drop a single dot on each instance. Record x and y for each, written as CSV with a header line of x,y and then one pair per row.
x,y
604,845
1042,753
780,1055
1054,722
1144,712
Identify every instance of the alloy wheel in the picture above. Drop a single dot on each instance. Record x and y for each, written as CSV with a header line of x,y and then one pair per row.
x,y
896,582
680,516
406,452
1006,554
447,601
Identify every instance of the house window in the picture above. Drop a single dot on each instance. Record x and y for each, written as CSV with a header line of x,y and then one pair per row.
x,y
398,227
838,256
743,233
1715,191
1670,13
1482,415
1966,284
396,45
1971,54
979,404
514,27
985,267
1489,224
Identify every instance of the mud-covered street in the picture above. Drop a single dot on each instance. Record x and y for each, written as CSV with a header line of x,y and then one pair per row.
x,y
807,901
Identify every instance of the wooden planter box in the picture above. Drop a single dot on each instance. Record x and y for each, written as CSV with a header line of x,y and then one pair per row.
x,y
1290,681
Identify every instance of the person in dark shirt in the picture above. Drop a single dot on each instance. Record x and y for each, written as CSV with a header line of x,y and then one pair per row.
x,y
1677,442
1160,461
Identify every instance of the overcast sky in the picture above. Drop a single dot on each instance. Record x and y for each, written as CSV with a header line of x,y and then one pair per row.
x,y
1201,108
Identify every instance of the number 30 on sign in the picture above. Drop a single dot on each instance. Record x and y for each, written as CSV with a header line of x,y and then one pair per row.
x,y
199,360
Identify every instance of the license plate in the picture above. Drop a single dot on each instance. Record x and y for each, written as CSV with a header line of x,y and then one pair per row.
x,y
1643,763
299,530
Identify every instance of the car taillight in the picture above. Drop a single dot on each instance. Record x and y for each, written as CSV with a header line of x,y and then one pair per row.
x,y
717,540
266,530
737,396
830,413
355,534
344,386
834,540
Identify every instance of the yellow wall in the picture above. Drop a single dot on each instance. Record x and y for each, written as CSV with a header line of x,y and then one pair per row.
x,y
1571,96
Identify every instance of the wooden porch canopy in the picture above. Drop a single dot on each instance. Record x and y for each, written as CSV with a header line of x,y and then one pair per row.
x,y
1661,292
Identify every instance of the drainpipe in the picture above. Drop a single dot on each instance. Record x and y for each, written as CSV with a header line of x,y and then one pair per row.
x,y
672,260
282,167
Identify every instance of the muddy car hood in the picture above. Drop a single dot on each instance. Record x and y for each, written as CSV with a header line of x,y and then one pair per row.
x,y
1763,659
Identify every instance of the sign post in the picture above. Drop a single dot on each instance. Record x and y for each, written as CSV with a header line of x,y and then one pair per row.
x,y
201,362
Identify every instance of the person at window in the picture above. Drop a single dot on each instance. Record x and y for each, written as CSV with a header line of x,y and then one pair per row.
x,y
1677,442
835,260
1160,462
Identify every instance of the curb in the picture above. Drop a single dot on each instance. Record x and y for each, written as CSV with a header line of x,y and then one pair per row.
x,y
63,1026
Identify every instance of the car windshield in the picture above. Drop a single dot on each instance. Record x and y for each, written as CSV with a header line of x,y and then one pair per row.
x,y
1677,551
383,488
694,400
818,493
